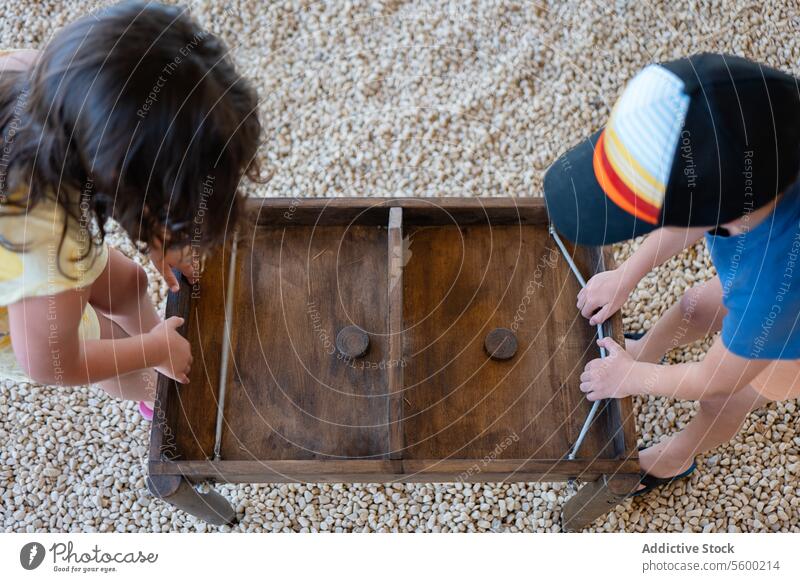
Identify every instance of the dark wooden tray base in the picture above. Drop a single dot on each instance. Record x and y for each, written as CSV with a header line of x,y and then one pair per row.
x,y
388,340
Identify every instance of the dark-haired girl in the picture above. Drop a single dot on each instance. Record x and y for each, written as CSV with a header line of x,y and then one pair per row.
x,y
136,114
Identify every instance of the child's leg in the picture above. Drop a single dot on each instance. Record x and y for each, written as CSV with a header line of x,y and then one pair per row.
x,y
139,385
120,293
717,422
124,308
697,314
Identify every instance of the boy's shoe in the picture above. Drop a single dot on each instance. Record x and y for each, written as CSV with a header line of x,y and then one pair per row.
x,y
651,482
146,411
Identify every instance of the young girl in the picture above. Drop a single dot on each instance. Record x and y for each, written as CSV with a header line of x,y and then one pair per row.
x,y
134,114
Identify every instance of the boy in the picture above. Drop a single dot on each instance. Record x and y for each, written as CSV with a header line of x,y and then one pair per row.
x,y
704,145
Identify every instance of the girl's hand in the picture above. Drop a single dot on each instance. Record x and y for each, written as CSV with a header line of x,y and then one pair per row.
x,y
605,292
616,376
175,353
180,259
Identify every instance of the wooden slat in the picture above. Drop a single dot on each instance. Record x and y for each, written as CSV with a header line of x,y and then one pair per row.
x,y
318,211
474,211
514,470
229,342
620,420
419,470
615,419
395,330
374,211
193,406
162,436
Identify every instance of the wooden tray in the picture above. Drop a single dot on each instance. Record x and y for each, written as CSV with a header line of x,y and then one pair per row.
x,y
423,281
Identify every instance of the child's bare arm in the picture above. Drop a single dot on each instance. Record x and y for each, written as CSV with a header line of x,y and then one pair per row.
x,y
44,332
606,292
720,373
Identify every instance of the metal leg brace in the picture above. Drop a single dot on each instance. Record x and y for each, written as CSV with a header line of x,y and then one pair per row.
x,y
600,335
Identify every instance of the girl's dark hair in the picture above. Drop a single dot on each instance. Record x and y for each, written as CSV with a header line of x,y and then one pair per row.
x,y
143,115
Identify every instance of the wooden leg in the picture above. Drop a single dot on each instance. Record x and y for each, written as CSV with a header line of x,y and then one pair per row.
x,y
179,492
595,499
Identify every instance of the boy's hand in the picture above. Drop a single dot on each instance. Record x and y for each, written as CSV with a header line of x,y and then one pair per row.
x,y
180,259
615,376
175,353
605,292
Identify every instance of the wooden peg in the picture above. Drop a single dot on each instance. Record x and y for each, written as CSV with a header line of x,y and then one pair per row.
x,y
352,341
500,344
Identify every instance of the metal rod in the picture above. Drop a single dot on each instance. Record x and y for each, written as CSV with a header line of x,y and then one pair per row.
x,y
567,256
226,345
600,335
584,430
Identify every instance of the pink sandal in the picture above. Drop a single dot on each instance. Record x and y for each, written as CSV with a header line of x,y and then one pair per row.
x,y
146,411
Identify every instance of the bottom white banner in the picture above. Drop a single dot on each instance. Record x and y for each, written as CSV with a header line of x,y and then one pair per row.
x,y
390,557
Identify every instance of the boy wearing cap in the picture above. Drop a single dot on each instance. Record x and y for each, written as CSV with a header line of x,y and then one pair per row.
x,y
708,145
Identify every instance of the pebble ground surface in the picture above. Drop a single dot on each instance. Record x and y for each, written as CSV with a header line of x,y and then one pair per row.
x,y
419,98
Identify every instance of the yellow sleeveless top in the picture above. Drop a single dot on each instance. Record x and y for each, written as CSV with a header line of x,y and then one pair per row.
x,y
43,268
46,266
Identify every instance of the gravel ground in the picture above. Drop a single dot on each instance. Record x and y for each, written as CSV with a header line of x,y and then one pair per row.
x,y
425,99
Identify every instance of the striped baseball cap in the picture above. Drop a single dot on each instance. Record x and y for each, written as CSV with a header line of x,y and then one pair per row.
x,y
698,141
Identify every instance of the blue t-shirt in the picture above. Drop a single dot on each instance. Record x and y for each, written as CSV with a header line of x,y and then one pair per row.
x,y
760,276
